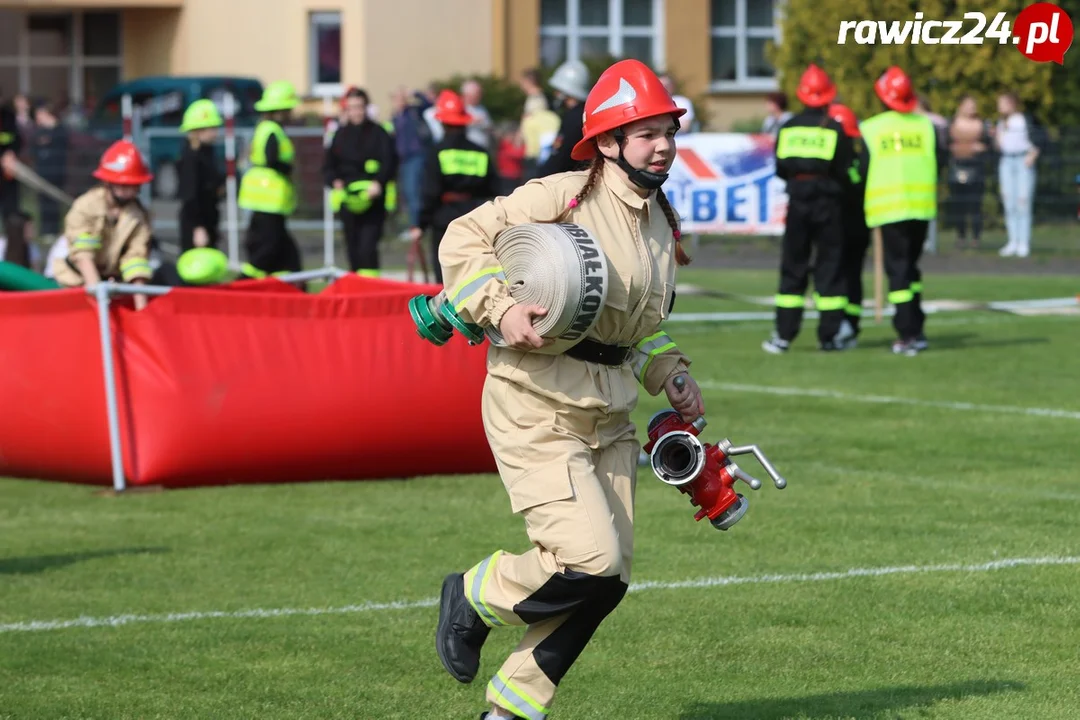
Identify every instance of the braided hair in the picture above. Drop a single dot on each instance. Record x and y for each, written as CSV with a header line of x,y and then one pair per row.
x,y
595,168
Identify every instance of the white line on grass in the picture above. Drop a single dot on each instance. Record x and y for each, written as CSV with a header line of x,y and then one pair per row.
x,y
890,400
707,582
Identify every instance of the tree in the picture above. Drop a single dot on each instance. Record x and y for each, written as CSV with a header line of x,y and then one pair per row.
x,y
943,73
1065,80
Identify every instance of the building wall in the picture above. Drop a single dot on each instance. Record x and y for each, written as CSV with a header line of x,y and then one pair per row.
x,y
686,43
150,39
381,48
454,38
523,36
725,109
89,4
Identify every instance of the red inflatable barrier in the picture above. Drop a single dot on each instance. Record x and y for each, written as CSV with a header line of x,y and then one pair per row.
x,y
253,382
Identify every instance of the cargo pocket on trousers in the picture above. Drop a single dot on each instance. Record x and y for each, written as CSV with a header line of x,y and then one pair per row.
x,y
556,517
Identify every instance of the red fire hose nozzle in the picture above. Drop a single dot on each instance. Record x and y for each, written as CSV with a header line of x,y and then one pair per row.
x,y
704,472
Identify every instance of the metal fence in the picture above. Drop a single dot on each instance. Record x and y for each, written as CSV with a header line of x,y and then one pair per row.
x,y
1057,200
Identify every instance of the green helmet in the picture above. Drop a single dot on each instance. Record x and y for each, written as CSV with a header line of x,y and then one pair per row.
x,y
279,95
200,115
203,266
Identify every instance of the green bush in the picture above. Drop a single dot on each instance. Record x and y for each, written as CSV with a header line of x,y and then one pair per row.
x,y
502,97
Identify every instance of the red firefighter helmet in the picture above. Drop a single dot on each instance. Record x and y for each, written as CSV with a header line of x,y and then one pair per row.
x,y
450,109
846,117
625,92
894,89
122,164
816,88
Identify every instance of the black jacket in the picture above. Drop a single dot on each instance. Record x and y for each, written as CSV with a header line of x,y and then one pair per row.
x,y
570,134
201,183
10,138
478,188
855,193
812,176
352,147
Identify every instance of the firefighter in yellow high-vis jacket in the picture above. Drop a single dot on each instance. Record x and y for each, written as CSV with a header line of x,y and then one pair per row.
x,y
267,189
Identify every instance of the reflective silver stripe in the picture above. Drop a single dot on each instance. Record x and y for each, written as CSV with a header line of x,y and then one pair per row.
x,y
474,590
647,349
473,284
136,268
518,701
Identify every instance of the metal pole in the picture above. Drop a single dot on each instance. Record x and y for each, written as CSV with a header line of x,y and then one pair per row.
x,y
125,114
230,182
143,144
329,126
101,293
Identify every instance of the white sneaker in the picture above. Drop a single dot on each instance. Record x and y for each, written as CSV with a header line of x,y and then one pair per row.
x,y
1008,251
775,346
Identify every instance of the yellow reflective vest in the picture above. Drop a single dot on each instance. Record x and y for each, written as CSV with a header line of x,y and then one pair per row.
x,y
901,183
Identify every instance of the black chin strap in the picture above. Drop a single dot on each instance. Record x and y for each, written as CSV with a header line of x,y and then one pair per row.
x,y
120,202
642,178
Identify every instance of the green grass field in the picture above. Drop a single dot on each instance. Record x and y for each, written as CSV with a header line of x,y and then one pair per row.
x,y
922,562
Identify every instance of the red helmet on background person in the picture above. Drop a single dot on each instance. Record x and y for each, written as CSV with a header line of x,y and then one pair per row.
x,y
625,92
816,88
846,117
122,164
450,109
894,89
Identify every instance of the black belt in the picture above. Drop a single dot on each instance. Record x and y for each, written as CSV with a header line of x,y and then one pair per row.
x,y
592,351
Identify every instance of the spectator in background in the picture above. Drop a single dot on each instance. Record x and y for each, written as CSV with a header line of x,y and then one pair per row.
x,y
968,148
1016,173
24,118
688,122
426,103
941,131
50,156
412,137
539,125
479,131
776,113
535,100
571,84
509,156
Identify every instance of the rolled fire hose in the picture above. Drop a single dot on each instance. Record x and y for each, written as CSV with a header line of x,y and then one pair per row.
x,y
560,267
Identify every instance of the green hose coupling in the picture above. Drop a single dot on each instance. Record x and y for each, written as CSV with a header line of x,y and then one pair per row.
x,y
436,320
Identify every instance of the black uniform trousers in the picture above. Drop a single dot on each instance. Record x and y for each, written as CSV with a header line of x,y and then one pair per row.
x,y
444,215
189,221
269,246
903,245
362,235
814,223
856,244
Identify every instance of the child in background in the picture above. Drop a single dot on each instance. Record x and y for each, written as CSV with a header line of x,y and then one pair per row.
x,y
510,156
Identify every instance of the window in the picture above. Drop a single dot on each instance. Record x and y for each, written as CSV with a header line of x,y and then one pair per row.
x,y
741,29
580,29
60,56
325,58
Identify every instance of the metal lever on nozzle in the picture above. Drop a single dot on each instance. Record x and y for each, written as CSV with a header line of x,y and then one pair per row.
x,y
739,473
730,450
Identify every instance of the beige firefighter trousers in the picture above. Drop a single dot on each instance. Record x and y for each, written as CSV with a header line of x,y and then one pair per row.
x,y
571,473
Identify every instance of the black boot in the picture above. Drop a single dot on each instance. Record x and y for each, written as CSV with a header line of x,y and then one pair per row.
x,y
461,633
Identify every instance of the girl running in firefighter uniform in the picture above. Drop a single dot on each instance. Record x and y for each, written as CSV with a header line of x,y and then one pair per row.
x,y
559,424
